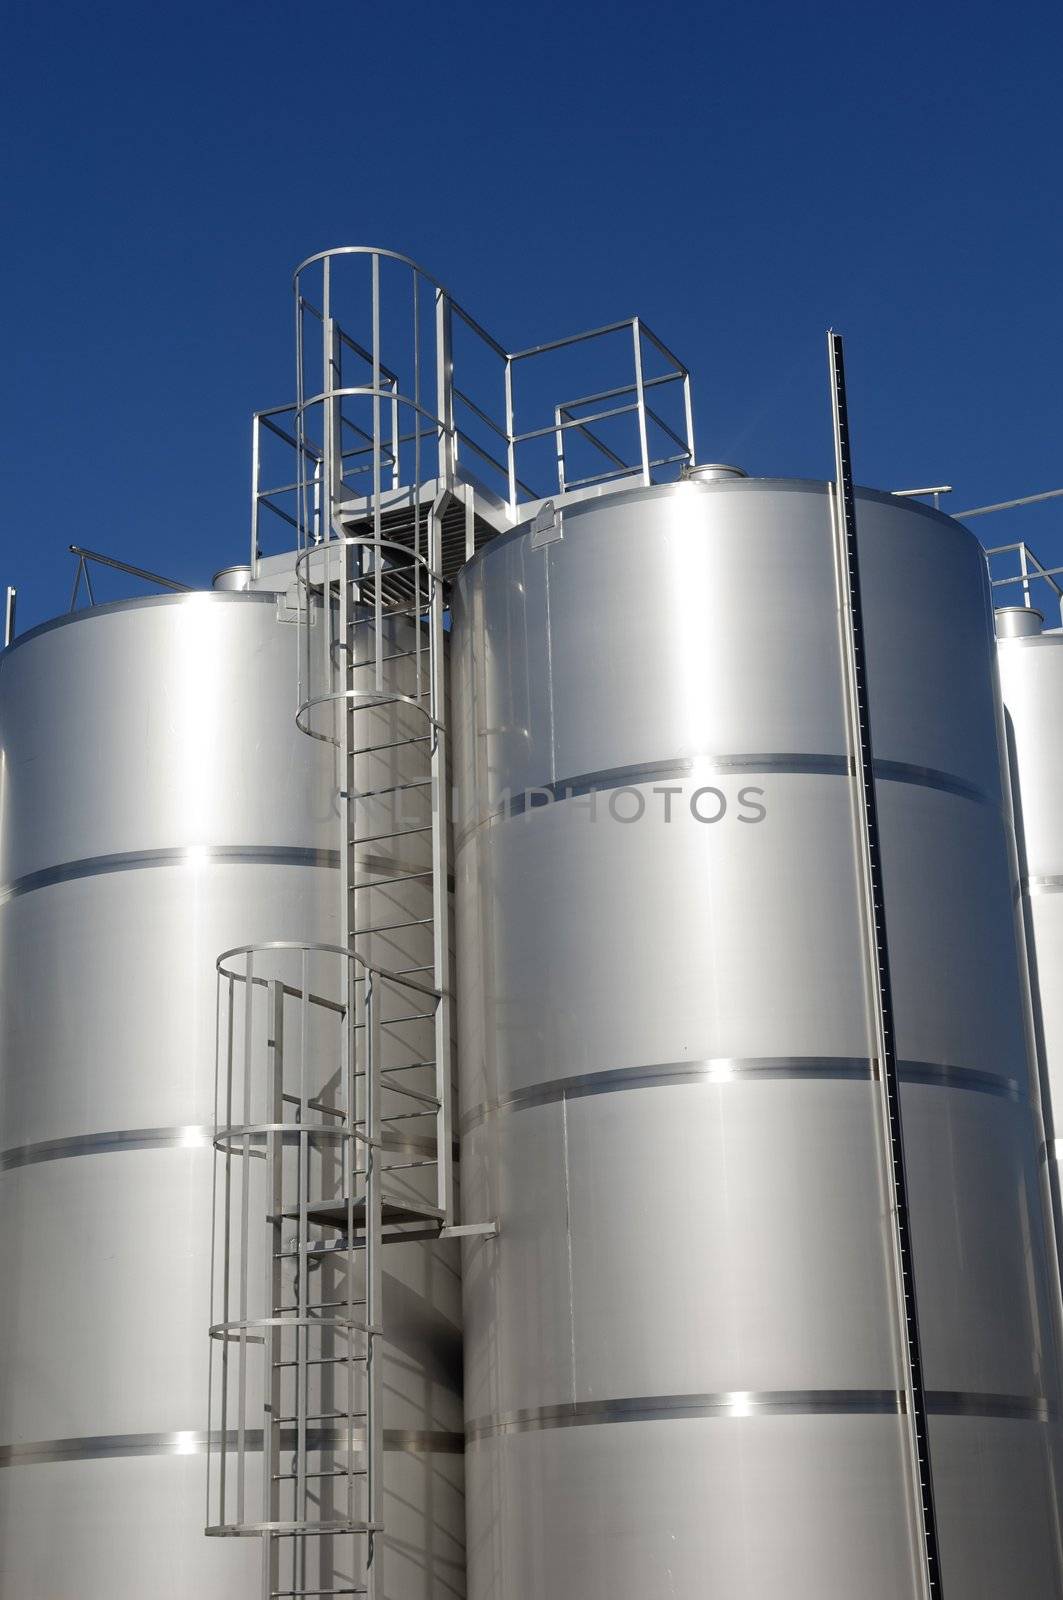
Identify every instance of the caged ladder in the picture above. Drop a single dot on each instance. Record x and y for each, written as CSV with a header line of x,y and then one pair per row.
x,y
333,1114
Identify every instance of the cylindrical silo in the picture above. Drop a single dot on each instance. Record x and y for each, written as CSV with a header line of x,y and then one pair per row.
x,y
1031,682
683,1374
159,805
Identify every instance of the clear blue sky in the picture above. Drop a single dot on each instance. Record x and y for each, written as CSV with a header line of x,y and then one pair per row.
x,y
742,176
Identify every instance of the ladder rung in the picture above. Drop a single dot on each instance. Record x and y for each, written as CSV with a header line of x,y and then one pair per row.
x,y
295,1594
411,700
395,788
393,1022
323,1416
402,877
414,1094
375,838
336,1472
321,1361
378,661
407,1066
319,1305
392,611
393,744
393,927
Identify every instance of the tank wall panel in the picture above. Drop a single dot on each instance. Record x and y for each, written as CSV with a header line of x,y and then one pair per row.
x,y
665,1047
159,806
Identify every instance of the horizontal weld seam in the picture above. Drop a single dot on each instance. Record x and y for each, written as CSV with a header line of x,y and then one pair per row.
x,y
190,1136
746,1404
789,765
721,1071
195,1442
175,856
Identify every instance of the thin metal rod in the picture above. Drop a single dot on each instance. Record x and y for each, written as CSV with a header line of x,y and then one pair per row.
x,y
273,1243
302,1332
10,596
134,572
511,459
688,414
378,560
374,1298
245,1209
855,672
644,448
256,484
572,338
1049,574
1010,505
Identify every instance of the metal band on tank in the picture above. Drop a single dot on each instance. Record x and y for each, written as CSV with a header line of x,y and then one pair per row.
x,y
788,764
101,1447
742,1403
1044,885
255,855
189,1136
721,1070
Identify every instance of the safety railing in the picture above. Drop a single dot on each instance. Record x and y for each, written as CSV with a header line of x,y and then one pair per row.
x,y
1031,583
86,559
418,392
629,400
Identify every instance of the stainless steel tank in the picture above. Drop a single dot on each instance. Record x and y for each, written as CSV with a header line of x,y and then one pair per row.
x,y
682,1373
158,807
1031,681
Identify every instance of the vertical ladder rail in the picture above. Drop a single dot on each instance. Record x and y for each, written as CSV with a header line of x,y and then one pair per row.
x,y
374,1290
440,805
377,668
302,1297
856,684
274,1153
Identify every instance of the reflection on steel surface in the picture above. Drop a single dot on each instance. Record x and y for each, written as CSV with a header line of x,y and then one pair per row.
x,y
257,855
193,1442
726,1069
738,1403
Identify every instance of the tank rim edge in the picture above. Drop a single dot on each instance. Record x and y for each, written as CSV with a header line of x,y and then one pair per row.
x,y
743,485
214,596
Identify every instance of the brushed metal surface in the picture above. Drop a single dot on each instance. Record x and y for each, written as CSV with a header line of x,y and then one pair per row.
x,y
674,1222
751,1403
190,1442
1031,681
158,805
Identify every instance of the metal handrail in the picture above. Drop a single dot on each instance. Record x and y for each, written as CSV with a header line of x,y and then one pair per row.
x,y
312,946
451,439
441,436
1031,570
1011,505
82,572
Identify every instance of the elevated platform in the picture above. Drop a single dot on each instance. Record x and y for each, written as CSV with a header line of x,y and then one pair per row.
x,y
395,1210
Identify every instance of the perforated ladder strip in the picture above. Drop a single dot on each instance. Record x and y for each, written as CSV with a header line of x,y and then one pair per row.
x,y
848,572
